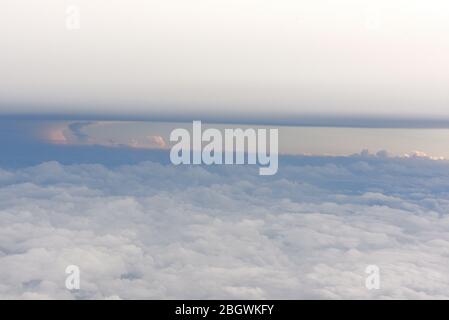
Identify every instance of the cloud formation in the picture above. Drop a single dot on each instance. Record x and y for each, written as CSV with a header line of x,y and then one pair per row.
x,y
159,231
74,133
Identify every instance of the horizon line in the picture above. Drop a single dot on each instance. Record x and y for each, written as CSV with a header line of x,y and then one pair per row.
x,y
293,120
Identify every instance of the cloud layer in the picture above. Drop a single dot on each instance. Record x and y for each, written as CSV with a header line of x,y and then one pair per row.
x,y
225,58
158,231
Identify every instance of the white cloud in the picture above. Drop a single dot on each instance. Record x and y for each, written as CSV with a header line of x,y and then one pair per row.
x,y
154,231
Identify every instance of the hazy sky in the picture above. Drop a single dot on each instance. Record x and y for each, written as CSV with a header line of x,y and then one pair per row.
x,y
233,57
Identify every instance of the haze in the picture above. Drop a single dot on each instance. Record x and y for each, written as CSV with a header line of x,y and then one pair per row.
x,y
226,57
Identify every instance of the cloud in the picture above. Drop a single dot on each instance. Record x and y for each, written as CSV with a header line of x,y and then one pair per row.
x,y
157,141
149,142
421,154
74,133
213,70
56,136
76,128
160,231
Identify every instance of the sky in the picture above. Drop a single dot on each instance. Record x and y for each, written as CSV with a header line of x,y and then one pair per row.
x,y
358,90
230,59
116,142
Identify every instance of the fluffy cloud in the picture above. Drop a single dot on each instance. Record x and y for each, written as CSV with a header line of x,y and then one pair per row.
x,y
159,231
